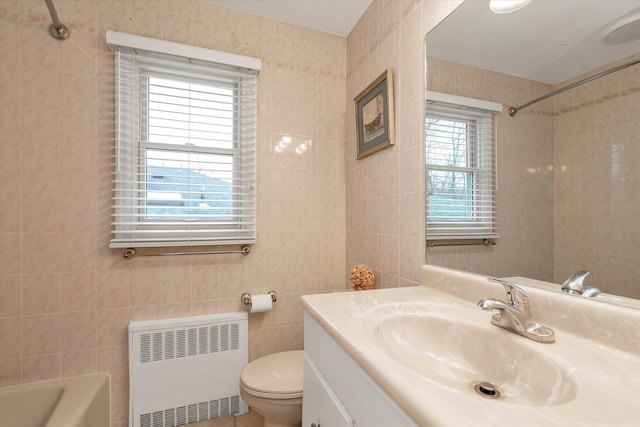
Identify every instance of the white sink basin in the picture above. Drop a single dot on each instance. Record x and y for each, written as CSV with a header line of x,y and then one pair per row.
x,y
461,355
428,346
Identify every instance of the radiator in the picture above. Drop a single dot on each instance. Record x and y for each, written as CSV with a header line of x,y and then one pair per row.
x,y
186,370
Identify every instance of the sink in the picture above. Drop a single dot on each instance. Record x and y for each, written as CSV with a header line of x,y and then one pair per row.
x,y
430,348
462,355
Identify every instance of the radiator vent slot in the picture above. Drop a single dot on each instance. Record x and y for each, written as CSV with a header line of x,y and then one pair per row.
x,y
203,411
184,371
158,346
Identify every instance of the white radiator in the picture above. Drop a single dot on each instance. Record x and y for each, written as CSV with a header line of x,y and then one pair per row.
x,y
186,370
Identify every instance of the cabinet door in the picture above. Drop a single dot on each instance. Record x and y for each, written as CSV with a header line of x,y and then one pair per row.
x,y
320,406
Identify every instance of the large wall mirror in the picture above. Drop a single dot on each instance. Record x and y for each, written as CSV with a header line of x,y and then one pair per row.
x,y
568,167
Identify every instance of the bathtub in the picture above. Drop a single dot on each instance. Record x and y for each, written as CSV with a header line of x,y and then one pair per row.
x,y
81,401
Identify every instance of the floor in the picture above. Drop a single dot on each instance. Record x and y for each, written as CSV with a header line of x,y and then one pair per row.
x,y
252,419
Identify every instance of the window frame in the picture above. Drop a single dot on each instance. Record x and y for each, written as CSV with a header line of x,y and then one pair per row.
x,y
480,164
144,145
134,225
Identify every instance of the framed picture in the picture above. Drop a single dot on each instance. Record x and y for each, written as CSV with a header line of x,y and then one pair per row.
x,y
374,116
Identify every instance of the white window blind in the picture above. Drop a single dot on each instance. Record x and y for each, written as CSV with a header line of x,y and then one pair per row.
x,y
185,155
461,179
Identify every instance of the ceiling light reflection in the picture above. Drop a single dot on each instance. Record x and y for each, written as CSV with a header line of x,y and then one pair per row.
x,y
507,6
286,143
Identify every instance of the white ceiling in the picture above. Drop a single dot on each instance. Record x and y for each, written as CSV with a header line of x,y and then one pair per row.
x,y
547,41
329,16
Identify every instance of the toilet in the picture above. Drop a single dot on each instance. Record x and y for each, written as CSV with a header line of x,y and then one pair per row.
x,y
272,386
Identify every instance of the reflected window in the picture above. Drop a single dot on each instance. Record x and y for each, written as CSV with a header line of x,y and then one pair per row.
x,y
460,172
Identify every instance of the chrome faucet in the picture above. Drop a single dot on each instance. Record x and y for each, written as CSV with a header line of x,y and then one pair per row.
x,y
514,315
575,285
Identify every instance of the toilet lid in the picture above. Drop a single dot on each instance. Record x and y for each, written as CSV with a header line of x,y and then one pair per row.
x,y
278,373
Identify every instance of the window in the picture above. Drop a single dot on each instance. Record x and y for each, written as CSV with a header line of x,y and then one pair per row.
x,y
461,183
185,145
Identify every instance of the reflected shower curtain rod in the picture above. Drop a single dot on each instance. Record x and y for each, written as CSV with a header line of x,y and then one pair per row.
x,y
57,30
513,110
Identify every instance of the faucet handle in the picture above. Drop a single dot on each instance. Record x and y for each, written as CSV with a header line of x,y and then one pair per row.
x,y
575,283
516,295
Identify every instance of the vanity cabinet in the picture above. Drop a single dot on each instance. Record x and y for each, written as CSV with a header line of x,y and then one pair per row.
x,y
321,407
338,392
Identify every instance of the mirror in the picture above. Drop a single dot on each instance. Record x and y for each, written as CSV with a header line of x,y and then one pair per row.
x,y
568,167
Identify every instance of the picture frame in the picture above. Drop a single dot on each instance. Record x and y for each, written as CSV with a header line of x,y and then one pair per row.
x,y
374,116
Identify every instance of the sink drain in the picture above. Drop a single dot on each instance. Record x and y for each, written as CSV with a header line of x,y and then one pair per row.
x,y
486,389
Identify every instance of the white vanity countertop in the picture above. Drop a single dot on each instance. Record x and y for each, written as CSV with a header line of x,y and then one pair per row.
x,y
606,378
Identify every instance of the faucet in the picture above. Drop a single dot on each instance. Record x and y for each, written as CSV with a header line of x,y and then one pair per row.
x,y
514,315
575,285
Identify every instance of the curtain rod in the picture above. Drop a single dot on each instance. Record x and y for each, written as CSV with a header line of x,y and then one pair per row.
x,y
57,30
513,110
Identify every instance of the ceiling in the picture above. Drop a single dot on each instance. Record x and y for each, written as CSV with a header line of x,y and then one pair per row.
x,y
547,41
329,16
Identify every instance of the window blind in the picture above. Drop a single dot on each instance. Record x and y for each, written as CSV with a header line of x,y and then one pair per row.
x,y
461,179
185,154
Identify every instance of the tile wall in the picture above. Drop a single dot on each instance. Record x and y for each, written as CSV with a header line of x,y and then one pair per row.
x,y
597,180
525,174
385,191
66,298
568,178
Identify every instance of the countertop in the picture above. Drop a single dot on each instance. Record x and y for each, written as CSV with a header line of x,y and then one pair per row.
x,y
606,377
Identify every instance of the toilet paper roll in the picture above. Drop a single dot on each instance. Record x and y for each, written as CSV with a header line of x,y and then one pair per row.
x,y
261,303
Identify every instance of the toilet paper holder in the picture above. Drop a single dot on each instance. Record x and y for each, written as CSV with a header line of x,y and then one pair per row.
x,y
246,297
